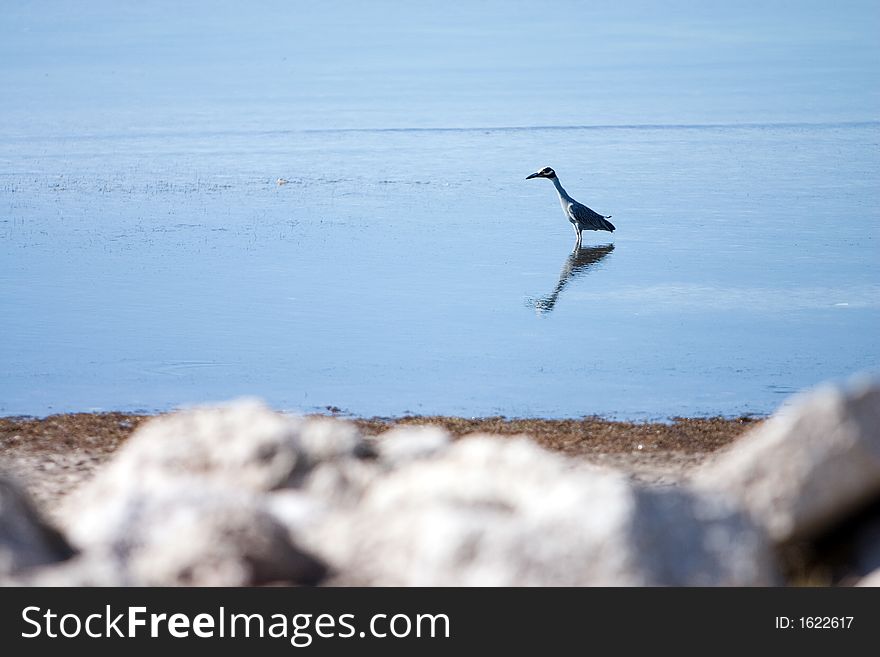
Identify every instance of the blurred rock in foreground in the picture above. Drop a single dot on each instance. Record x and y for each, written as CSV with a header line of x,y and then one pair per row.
x,y
504,512
811,465
241,495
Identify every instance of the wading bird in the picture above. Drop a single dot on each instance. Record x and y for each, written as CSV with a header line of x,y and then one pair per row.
x,y
580,216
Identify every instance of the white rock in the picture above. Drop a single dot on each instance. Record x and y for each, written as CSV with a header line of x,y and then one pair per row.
x,y
243,445
406,443
326,439
193,533
505,512
342,482
807,467
87,569
295,510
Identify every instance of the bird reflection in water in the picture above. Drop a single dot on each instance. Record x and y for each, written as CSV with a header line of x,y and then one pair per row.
x,y
579,261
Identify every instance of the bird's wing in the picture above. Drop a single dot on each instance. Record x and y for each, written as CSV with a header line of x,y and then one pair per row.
x,y
589,219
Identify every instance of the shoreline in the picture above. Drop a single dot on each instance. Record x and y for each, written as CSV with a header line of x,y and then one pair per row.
x,y
335,412
54,455
684,433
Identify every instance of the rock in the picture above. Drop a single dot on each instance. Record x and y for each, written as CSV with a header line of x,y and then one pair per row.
x,y
809,466
504,512
243,445
26,540
342,482
193,533
93,569
184,501
406,443
194,498
298,512
326,439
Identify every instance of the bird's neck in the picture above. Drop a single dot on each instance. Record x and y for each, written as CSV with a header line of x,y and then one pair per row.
x,y
558,186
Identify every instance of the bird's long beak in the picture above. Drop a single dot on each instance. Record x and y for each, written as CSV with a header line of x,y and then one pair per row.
x,y
537,174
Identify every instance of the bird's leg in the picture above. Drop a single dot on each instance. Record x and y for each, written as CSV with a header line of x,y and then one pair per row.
x,y
577,243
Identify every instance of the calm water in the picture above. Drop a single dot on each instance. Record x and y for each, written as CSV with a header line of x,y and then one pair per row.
x,y
149,258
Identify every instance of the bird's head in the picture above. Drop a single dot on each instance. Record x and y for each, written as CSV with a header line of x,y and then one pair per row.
x,y
546,172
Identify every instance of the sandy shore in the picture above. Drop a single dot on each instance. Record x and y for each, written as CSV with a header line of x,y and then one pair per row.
x,y
54,455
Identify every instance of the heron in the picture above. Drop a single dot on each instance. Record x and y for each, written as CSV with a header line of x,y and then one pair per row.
x,y
580,216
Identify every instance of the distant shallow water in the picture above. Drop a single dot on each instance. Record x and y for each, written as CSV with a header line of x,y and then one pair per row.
x,y
149,258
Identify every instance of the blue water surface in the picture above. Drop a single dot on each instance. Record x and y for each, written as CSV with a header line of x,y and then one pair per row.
x,y
325,205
